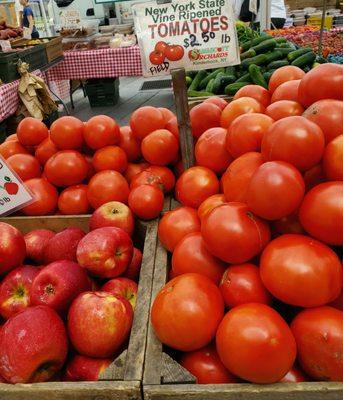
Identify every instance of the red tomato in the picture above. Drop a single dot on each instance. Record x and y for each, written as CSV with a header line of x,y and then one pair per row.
x,y
289,224
323,82
321,213
160,147
210,203
333,160
187,311
161,46
242,284
166,176
91,170
129,144
319,336
295,375
295,140
106,186
8,149
146,120
12,137
25,165
167,114
218,101
284,108
285,74
237,178
110,158
256,344
275,190
195,185
173,127
174,53
66,168
210,150
191,255
246,133
134,169
176,224
45,150
67,133
243,105
233,234
301,271
203,117
206,366
314,177
286,91
338,303
256,92
156,57
147,178
146,201
31,132
101,131
74,201
328,115
45,197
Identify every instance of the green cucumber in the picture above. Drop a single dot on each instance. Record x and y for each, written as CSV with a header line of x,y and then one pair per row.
x,y
196,93
230,70
257,60
209,86
280,40
233,88
189,80
257,76
199,77
224,81
267,75
192,74
210,76
265,46
277,64
217,83
273,56
284,50
297,53
306,59
244,78
248,54
250,43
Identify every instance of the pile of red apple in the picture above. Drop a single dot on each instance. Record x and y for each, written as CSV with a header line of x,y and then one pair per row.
x,y
67,298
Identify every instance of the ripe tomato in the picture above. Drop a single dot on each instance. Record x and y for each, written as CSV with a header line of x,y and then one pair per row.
x,y
275,190
134,169
323,82
210,150
256,92
25,165
314,177
91,170
204,116
146,178
101,131
167,114
160,147
218,101
67,133
237,178
295,140
156,57
285,74
206,366
110,158
195,185
66,168
12,137
301,271
321,213
187,311
246,133
319,336
242,284
31,132
191,255
256,344
74,201
161,46
129,144
338,303
289,224
233,234
174,53
284,108
210,203
295,375
45,150
166,176
146,201
176,224
8,149
45,197
106,186
333,160
173,127
145,120
243,105
286,91
328,115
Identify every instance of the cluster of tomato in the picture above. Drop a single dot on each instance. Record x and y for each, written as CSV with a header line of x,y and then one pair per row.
x,y
260,234
164,51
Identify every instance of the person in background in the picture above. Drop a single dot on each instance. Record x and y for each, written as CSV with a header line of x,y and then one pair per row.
x,y
277,13
28,20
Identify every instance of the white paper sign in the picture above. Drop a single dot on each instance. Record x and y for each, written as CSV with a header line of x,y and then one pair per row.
x,y
5,45
27,33
70,19
13,193
190,34
253,6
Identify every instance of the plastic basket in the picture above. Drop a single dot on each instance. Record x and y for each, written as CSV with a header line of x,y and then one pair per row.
x,y
102,92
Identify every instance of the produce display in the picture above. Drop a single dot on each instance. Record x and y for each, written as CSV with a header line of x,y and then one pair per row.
x,y
9,32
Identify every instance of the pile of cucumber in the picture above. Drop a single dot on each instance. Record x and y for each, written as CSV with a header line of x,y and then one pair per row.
x,y
260,57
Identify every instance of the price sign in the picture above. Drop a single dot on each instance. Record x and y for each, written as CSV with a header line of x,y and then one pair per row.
x,y
190,34
5,45
27,33
70,19
13,193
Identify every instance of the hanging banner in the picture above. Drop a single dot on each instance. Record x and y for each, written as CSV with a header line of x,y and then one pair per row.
x,y
190,34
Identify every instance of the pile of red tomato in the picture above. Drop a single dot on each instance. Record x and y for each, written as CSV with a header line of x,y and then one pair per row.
x,y
256,275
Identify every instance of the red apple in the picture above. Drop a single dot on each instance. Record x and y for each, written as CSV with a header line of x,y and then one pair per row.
x,y
63,245
113,214
36,241
58,284
105,252
81,368
15,290
122,287
12,248
33,346
134,268
99,323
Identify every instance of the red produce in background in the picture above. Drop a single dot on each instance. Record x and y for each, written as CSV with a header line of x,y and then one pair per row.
x,y
12,248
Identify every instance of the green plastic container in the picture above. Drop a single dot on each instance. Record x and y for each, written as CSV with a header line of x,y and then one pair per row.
x,y
102,92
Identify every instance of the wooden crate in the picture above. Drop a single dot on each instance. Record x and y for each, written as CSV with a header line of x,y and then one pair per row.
x,y
165,379
122,380
54,49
